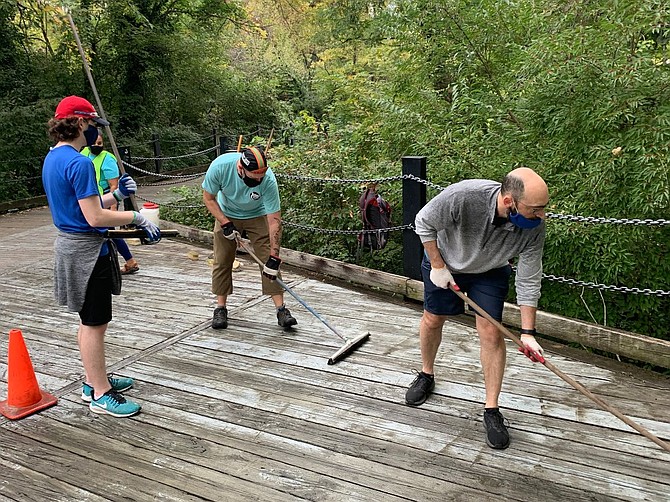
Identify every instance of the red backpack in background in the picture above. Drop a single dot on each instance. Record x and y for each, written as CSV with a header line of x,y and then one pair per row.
x,y
376,216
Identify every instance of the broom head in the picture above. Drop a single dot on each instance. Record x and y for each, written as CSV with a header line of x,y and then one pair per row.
x,y
348,348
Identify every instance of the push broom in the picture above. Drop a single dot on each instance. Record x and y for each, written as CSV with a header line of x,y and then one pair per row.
x,y
349,346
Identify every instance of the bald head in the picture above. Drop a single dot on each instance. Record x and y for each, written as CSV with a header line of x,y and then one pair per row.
x,y
525,185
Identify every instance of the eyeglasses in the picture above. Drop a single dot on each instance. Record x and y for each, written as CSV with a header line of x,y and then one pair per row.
x,y
535,209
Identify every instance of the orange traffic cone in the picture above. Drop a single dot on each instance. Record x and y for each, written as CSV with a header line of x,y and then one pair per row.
x,y
24,396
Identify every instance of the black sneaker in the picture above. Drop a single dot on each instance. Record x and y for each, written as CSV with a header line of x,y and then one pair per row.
x,y
285,319
496,430
220,318
421,388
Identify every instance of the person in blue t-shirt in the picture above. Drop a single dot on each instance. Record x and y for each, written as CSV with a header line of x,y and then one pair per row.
x,y
107,173
84,277
241,192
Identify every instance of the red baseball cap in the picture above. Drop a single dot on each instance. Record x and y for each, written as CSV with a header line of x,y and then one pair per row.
x,y
74,106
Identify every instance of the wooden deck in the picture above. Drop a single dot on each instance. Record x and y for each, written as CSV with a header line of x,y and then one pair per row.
x,y
255,413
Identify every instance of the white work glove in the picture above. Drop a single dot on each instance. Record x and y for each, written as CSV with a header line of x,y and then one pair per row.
x,y
153,232
532,348
441,277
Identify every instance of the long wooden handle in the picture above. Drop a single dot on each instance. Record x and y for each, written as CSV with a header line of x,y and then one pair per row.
x,y
89,75
138,232
291,292
269,144
599,401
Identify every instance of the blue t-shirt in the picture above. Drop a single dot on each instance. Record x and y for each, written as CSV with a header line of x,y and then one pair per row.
x,y
67,177
235,198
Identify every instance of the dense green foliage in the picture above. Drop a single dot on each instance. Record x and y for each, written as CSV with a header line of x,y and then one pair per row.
x,y
579,91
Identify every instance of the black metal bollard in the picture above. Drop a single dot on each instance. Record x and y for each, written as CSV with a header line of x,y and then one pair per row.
x,y
223,145
413,199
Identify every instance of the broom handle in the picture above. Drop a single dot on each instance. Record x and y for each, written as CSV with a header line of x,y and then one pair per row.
x,y
269,144
599,401
290,291
124,234
108,129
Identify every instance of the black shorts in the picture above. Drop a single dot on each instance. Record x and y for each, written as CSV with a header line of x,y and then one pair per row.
x,y
97,309
488,290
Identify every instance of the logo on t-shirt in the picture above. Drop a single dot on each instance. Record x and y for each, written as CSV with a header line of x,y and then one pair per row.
x,y
255,195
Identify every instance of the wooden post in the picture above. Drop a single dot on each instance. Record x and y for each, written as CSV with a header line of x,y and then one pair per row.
x,y
157,152
223,145
413,199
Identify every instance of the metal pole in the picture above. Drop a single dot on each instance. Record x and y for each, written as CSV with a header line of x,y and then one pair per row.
x,y
413,199
101,111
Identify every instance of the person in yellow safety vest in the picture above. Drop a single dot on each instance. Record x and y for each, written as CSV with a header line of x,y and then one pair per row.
x,y
107,175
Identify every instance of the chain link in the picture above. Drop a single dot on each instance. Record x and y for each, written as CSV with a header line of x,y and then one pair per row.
x,y
421,180
184,141
620,221
549,277
179,176
567,217
360,181
168,204
593,285
344,232
167,183
186,155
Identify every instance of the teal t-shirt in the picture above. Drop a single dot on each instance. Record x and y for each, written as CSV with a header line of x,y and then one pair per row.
x,y
109,169
236,199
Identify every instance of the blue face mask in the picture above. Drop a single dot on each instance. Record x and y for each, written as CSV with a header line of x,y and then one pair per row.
x,y
522,222
91,134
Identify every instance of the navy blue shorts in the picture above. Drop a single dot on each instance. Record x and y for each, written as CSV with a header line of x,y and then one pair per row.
x,y
488,290
97,309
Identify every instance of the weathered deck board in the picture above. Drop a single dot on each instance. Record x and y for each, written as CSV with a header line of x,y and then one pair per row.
x,y
255,413
355,411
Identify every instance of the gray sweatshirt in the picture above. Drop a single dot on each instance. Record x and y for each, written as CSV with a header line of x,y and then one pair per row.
x,y
74,261
461,220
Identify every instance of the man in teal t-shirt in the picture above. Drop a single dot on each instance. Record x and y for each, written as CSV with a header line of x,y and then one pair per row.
x,y
241,192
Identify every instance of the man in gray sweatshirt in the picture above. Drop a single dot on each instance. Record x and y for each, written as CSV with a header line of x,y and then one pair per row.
x,y
470,232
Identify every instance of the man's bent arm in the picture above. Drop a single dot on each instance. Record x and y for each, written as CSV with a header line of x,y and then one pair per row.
x,y
434,255
213,207
527,316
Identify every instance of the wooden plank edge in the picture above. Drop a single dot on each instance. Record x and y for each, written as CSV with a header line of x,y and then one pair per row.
x,y
23,204
624,343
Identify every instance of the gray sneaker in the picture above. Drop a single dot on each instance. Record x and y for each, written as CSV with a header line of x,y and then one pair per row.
x,y
497,436
285,319
220,318
420,389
